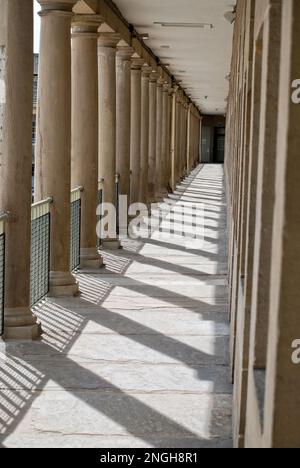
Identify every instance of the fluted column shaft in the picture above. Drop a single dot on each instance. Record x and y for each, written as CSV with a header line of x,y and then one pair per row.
x,y
53,146
165,134
182,146
146,71
185,139
159,114
178,138
135,145
123,69
152,136
200,138
189,140
169,140
107,46
16,36
84,167
184,127
173,138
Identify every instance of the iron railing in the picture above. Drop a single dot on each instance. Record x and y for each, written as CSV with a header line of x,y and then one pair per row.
x,y
3,218
40,250
118,204
99,203
75,228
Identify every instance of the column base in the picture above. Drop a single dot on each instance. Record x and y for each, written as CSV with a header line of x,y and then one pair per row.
x,y
123,232
90,258
152,201
159,196
21,324
63,284
111,244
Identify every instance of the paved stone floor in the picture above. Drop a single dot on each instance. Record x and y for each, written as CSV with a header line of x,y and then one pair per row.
x,y
141,358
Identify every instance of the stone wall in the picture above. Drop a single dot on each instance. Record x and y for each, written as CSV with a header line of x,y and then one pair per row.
x,y
262,172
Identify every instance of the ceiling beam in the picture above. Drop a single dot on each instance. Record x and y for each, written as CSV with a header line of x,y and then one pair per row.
x,y
116,21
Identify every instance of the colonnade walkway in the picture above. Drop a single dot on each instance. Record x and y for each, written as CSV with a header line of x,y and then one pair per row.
x,y
140,359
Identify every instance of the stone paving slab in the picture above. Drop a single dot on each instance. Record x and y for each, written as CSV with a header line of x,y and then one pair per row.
x,y
145,321
155,378
141,415
157,348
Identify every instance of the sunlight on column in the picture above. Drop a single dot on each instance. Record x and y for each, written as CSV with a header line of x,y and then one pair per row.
x,y
37,27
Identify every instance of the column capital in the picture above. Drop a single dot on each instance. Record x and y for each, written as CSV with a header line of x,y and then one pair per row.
x,y
86,25
160,82
108,39
52,6
166,87
146,71
125,53
153,76
137,63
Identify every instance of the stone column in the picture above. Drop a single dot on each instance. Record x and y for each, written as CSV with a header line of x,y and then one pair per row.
x,y
165,136
189,140
146,71
135,145
152,136
159,110
200,138
193,138
169,140
53,146
123,68
173,149
198,142
16,64
178,138
183,140
107,47
85,130
184,158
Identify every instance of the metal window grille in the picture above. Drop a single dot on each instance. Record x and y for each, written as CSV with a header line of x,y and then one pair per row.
x,y
75,228
2,273
40,251
99,203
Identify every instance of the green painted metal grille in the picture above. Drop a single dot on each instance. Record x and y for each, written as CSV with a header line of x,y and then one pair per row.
x,y
99,203
75,230
118,204
2,277
40,254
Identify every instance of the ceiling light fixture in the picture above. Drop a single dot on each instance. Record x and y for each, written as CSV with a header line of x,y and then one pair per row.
x,y
165,24
144,36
